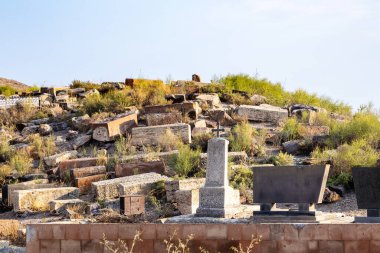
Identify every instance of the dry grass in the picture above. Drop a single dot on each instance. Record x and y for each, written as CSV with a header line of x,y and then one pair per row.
x,y
21,162
121,246
169,141
178,246
5,170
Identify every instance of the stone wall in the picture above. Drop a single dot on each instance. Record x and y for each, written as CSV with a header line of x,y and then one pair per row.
x,y
7,103
283,238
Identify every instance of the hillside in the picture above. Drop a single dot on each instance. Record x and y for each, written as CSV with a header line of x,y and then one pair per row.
x,y
13,84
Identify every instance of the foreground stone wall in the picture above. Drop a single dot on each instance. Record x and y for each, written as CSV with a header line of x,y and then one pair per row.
x,y
283,238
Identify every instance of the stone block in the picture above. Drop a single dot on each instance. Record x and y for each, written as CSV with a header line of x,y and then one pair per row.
x,y
182,185
263,113
87,171
59,205
190,109
140,184
54,160
132,205
79,163
108,189
166,157
38,199
80,140
187,201
35,184
289,184
151,135
123,169
84,183
210,99
111,128
156,119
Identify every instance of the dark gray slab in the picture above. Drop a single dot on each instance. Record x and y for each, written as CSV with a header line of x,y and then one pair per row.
x,y
289,184
367,187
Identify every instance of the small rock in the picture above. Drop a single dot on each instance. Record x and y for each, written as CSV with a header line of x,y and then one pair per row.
x,y
258,99
72,134
330,196
45,129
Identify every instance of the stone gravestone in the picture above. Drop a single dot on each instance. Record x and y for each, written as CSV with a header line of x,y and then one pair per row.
x,y
217,198
301,185
367,189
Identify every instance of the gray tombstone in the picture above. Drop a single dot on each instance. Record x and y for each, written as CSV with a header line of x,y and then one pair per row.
x,y
302,185
367,189
217,198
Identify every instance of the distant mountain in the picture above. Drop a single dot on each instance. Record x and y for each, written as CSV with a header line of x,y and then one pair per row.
x,y
14,84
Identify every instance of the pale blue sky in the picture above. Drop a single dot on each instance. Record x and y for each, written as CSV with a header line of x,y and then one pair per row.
x,y
327,46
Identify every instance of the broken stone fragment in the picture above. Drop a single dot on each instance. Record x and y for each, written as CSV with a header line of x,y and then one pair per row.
x,y
111,128
108,189
123,169
45,129
211,99
263,113
81,123
54,160
221,116
258,99
29,130
155,119
84,183
80,141
59,205
151,135
38,199
182,185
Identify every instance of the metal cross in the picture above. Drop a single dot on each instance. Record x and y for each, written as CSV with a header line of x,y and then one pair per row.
x,y
218,129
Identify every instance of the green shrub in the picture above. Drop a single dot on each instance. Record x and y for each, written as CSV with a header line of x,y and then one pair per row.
x,y
5,149
187,163
344,179
290,130
21,162
201,140
359,153
87,85
7,91
242,138
277,95
282,159
363,126
242,178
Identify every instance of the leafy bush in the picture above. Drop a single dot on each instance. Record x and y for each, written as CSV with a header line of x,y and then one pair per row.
x,y
187,163
5,149
344,179
7,91
290,130
359,153
282,159
242,138
242,178
363,126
